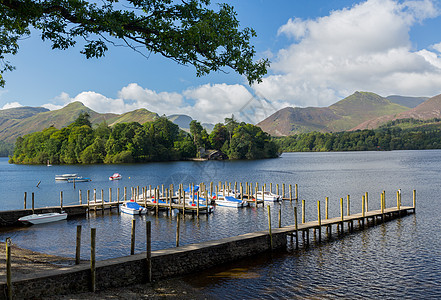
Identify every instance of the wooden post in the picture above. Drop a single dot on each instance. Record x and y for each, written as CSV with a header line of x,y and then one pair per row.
x,y
398,200
290,192
414,200
348,208
25,195
280,216
80,197
341,208
33,202
78,248
269,226
102,199
125,194
132,241
110,195
61,200
263,194
303,211
149,250
296,194
319,221
197,208
283,190
271,187
8,268
88,201
296,227
92,259
363,206
326,208
367,202
178,220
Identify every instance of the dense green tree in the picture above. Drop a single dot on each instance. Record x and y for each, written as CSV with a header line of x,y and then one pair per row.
x,y
188,32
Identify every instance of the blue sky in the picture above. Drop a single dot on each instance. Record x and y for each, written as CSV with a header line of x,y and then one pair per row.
x,y
321,51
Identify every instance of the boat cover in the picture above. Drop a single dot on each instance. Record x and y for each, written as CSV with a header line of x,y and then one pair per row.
x,y
133,205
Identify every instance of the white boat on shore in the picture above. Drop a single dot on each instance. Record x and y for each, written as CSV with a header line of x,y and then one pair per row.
x,y
65,177
132,208
267,196
43,218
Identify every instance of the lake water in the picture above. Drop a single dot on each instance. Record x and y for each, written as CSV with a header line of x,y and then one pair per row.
x,y
398,259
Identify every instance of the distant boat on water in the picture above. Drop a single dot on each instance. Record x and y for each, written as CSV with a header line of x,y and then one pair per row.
x,y
65,177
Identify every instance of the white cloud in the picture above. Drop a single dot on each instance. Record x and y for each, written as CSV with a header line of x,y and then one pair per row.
x,y
365,47
209,103
11,105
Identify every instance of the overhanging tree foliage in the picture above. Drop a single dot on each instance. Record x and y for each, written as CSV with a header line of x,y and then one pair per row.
x,y
188,32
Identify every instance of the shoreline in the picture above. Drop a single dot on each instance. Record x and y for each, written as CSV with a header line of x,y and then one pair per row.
x,y
25,261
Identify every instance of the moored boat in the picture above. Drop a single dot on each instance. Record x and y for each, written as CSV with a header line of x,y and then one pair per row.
x,y
43,218
115,176
132,208
65,177
79,179
267,196
228,201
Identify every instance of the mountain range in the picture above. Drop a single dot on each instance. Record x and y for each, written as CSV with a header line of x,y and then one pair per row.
x,y
18,121
361,110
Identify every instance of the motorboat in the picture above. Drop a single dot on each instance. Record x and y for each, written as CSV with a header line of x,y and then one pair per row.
x,y
79,179
132,208
115,176
65,177
228,201
267,196
229,192
43,218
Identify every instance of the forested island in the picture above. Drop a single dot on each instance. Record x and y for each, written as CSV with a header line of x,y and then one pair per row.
x,y
159,140
402,134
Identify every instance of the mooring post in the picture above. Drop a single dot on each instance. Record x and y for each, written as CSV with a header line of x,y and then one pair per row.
x,y
303,211
78,247
348,208
367,202
363,211
25,195
290,192
149,250
178,224
326,208
414,200
132,240
269,226
110,197
8,268
125,194
283,191
341,214
61,200
296,192
33,202
280,216
102,199
319,221
296,227
88,201
80,196
92,259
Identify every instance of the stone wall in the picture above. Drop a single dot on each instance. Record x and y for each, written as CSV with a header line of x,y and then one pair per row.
x,y
132,269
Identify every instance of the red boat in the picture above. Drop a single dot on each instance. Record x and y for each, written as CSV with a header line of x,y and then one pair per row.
x,y
115,176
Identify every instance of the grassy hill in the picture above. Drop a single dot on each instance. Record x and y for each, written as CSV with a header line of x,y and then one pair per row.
x,y
430,109
341,116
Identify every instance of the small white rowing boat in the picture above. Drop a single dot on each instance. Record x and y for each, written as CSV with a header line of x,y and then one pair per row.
x,y
115,176
65,177
43,218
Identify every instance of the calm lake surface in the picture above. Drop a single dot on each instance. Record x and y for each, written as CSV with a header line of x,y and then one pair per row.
x,y
398,259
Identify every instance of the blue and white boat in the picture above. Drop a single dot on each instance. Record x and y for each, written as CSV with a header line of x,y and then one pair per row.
x,y
228,201
132,208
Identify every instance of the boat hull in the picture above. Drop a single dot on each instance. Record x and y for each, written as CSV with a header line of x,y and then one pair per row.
x,y
132,211
43,218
